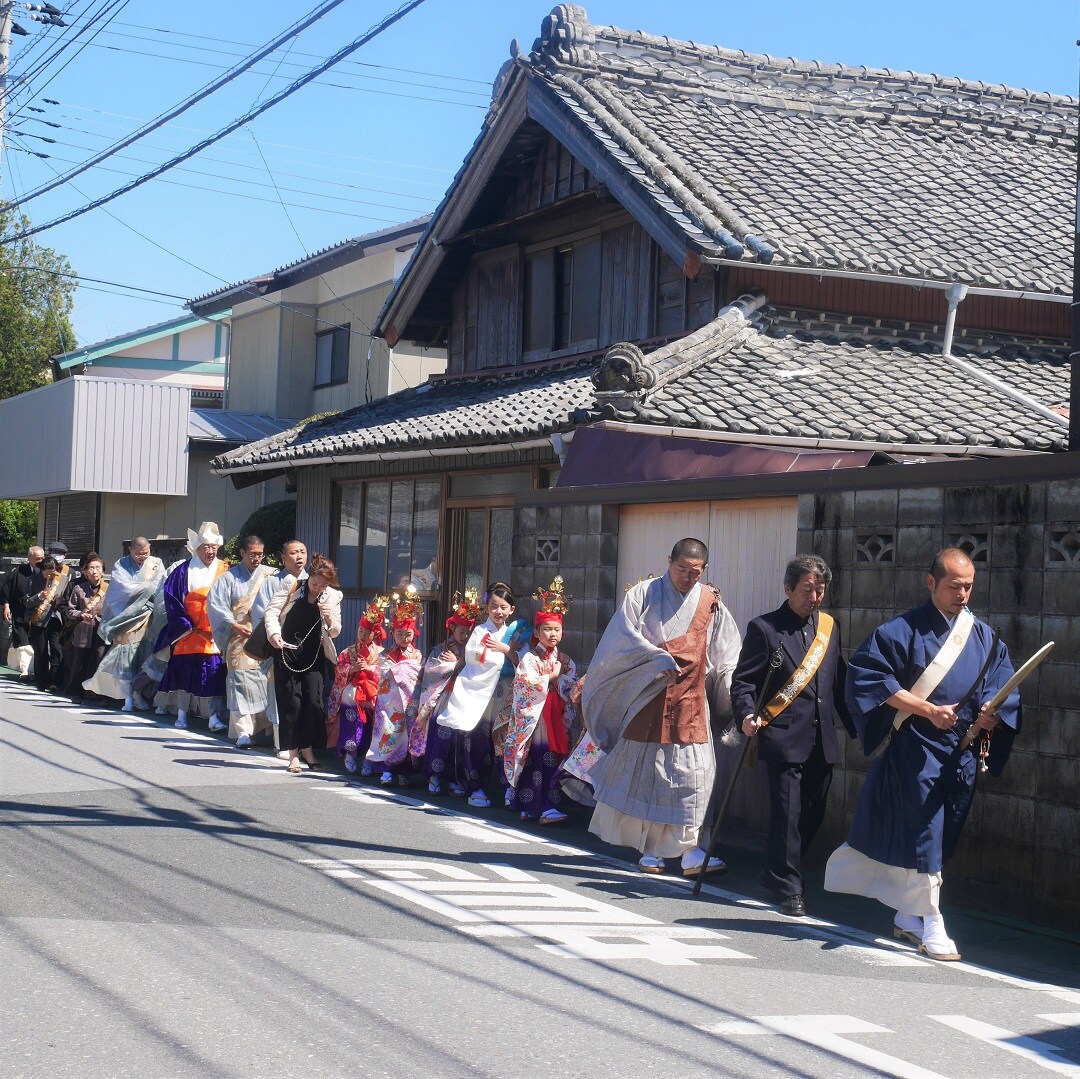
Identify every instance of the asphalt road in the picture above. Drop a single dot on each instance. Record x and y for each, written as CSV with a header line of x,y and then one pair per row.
x,y
171,906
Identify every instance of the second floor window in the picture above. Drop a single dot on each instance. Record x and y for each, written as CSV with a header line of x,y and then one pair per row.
x,y
562,297
332,357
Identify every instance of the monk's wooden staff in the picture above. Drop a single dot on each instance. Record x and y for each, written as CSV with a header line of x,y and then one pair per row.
x,y
762,699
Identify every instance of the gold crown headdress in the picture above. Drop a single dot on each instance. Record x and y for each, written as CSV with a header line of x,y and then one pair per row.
x,y
375,614
407,609
554,602
466,608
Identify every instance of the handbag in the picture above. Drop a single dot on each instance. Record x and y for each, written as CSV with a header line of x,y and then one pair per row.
x,y
348,696
258,644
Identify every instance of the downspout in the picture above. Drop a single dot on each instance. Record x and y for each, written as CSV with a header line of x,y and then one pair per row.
x,y
955,296
1074,344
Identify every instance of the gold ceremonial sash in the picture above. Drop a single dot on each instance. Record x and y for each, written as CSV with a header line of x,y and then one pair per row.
x,y
804,672
235,657
96,600
49,597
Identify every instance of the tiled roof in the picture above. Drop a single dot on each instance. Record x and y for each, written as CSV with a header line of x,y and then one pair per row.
x,y
754,372
800,377
310,265
443,414
825,166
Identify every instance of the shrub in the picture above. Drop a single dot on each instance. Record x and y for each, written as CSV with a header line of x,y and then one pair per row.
x,y
275,524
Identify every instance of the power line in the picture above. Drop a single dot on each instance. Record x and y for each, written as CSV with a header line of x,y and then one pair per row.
x,y
249,294
190,101
426,201
323,82
258,198
283,145
99,281
486,83
250,115
25,81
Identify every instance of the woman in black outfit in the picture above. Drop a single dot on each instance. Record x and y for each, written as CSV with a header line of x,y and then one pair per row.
x,y
301,621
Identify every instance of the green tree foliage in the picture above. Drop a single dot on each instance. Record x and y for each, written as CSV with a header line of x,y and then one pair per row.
x,y
274,524
18,526
37,290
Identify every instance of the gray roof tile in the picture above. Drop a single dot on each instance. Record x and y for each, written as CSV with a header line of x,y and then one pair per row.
x,y
829,166
771,373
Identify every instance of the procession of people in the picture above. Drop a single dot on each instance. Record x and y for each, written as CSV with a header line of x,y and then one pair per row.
x,y
496,709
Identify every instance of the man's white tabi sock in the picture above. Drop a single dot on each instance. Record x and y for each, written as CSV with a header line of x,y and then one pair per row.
x,y
934,937
910,923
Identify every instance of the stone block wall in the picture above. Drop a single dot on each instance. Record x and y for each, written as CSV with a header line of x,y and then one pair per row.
x,y
1020,854
582,544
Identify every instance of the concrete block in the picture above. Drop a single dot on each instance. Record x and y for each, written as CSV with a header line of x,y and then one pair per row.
x,y
920,506
875,509
1024,503
1056,685
1063,501
575,519
1055,780
1058,730
548,520
525,519
1011,590
1056,881
1057,828
967,506
872,586
1061,591
916,545
594,519
1017,546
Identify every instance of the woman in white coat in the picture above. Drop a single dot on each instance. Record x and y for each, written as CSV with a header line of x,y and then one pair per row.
x,y
301,621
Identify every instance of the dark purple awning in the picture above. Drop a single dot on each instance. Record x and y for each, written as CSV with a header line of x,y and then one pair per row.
x,y
601,457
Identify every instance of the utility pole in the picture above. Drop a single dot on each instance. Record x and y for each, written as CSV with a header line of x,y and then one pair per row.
x,y
5,49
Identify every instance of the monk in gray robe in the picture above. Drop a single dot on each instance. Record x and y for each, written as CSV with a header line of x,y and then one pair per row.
x,y
663,664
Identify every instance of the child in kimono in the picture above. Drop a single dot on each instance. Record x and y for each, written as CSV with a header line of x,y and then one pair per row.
x,y
356,684
436,682
490,658
537,737
399,670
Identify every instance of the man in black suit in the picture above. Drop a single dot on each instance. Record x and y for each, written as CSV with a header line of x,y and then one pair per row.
x,y
795,730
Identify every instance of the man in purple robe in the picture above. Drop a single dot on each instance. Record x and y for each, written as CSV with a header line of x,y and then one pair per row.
x,y
914,688
194,680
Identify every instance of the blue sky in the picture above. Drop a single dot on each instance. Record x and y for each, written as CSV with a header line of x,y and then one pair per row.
x,y
377,140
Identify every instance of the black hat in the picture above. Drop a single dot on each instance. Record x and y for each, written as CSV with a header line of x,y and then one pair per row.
x,y
57,548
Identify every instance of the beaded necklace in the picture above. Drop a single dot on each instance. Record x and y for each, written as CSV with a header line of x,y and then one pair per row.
x,y
299,645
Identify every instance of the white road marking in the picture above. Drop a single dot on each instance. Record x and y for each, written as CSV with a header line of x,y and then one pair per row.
x,y
826,1032
866,948
1032,1050
468,830
507,902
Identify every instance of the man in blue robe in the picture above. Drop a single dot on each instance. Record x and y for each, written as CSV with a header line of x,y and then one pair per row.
x,y
906,690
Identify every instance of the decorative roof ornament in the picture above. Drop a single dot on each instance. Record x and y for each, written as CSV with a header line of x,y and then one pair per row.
x,y
566,37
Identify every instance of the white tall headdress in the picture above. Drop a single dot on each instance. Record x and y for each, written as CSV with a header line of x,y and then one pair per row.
x,y
208,533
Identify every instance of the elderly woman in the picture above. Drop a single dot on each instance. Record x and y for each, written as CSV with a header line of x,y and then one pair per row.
x,y
82,616
301,621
